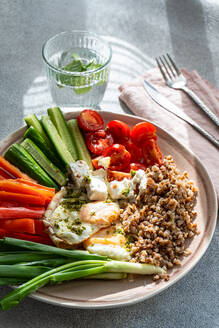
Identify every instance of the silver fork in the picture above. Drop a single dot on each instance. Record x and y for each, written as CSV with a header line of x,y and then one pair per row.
x,y
176,80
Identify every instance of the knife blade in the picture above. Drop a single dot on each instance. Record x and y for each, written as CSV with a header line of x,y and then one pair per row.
x,y
172,108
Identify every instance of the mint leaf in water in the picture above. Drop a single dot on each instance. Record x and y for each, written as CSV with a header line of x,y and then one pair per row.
x,y
78,66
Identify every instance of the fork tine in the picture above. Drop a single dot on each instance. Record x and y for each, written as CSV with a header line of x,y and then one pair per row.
x,y
174,65
161,69
170,67
166,69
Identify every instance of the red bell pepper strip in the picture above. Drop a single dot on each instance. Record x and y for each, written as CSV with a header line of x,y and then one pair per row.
x,y
13,169
19,225
24,236
21,198
21,212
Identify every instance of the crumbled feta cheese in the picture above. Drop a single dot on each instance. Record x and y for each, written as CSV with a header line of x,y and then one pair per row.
x,y
100,174
136,180
119,189
80,173
104,162
96,189
143,184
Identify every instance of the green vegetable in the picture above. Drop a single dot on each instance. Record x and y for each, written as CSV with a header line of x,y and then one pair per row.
x,y
52,170
23,257
74,254
11,281
83,152
57,141
17,155
58,120
35,136
107,276
21,271
33,121
96,268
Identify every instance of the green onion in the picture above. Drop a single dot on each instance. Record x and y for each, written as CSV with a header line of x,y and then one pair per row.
x,y
11,281
23,257
21,271
74,254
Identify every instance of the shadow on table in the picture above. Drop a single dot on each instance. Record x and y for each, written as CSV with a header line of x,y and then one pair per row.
x,y
187,28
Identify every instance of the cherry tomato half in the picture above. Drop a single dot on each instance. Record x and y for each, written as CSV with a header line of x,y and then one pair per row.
x,y
151,152
134,167
119,130
95,162
89,120
142,131
137,166
98,141
136,152
119,157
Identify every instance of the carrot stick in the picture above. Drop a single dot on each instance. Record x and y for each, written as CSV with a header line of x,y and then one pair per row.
x,y
21,198
51,191
18,187
6,174
20,213
12,169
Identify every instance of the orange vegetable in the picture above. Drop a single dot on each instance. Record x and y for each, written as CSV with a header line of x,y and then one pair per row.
x,y
12,169
21,198
5,174
18,225
18,187
50,191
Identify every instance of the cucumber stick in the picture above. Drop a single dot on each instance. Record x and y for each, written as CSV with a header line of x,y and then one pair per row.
x,y
32,120
83,152
58,120
56,140
18,156
44,162
35,136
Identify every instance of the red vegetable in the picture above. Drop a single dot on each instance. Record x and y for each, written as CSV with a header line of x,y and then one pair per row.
x,y
136,152
21,212
137,166
117,175
95,162
12,169
89,120
22,198
18,225
24,236
119,157
98,141
151,152
119,130
141,132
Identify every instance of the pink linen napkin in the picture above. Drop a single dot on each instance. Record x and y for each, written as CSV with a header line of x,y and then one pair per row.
x,y
137,100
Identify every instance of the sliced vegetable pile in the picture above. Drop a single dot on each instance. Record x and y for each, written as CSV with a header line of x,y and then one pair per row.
x,y
34,169
22,260
128,149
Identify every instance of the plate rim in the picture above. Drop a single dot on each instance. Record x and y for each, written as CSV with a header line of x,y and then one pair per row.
x,y
115,304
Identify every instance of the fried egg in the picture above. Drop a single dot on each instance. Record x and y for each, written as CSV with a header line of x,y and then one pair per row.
x,y
109,242
69,227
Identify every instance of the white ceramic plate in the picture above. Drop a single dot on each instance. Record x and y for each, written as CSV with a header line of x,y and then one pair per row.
x,y
106,294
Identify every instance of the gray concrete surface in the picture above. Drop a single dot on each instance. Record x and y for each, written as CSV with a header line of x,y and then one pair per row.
x,y
139,31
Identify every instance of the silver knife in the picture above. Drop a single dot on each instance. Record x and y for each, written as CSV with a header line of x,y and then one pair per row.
x,y
166,104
